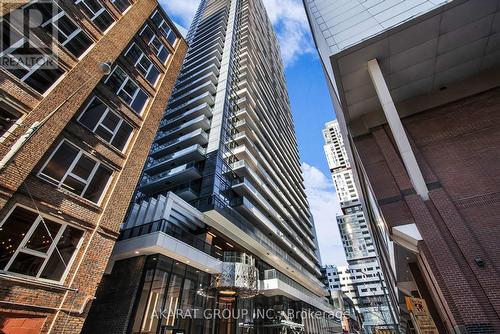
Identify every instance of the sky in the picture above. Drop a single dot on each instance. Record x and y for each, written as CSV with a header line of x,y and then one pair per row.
x,y
311,109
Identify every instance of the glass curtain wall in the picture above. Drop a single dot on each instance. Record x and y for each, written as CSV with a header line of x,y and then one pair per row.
x,y
169,302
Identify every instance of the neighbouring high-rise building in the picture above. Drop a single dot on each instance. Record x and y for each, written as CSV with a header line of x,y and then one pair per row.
x,y
416,89
83,85
220,222
362,280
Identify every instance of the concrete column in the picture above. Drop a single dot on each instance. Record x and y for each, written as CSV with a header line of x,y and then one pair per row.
x,y
398,132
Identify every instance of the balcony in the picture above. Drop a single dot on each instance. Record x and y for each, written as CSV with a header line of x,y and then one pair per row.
x,y
169,178
200,122
205,98
208,49
247,153
213,57
251,212
183,81
188,191
197,90
270,190
198,136
275,283
189,154
218,38
247,209
203,109
207,28
200,67
194,83
244,187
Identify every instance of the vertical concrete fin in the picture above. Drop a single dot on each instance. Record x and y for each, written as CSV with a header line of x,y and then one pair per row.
x,y
397,129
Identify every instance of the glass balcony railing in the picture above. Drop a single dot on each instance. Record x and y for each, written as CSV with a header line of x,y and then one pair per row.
x,y
203,98
171,172
214,202
170,157
212,57
199,122
194,83
170,229
238,257
186,82
196,111
199,132
196,69
198,55
196,91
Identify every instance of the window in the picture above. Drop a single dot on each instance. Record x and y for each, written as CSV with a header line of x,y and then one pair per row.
x,y
28,63
97,13
57,24
8,117
164,27
35,246
143,64
122,5
127,89
71,169
105,123
155,44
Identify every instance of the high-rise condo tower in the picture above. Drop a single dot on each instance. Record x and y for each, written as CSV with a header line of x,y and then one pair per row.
x,y
221,219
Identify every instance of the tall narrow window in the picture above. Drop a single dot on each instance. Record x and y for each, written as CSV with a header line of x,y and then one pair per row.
x,y
97,13
156,45
71,169
143,64
127,89
105,123
35,246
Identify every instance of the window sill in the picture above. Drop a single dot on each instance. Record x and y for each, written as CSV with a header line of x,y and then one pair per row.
x,y
33,281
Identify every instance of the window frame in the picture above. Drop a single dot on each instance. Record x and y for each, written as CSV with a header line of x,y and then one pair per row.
x,y
68,38
96,14
153,47
68,172
8,52
99,122
118,8
46,256
162,25
124,83
138,63
30,70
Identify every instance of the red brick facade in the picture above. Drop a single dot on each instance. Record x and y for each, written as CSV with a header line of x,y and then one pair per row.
x,y
63,306
457,148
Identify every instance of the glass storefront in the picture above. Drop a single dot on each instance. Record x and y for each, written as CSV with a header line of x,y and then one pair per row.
x,y
176,298
169,302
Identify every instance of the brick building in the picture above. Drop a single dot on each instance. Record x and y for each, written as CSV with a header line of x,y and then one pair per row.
x,y
83,87
416,88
